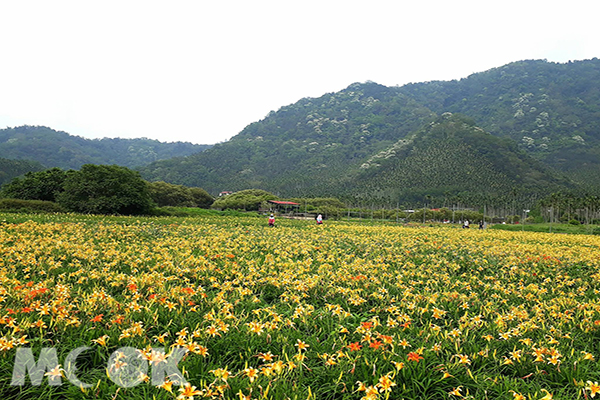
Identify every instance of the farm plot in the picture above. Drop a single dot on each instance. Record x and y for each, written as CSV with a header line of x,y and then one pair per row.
x,y
229,308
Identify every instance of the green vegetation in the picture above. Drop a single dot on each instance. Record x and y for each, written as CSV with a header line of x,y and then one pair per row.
x,y
59,149
169,195
576,229
248,200
97,189
42,185
105,189
453,156
10,169
550,109
29,206
195,212
528,129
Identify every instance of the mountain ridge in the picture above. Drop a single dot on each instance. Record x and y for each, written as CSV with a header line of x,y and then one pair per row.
x,y
60,149
549,112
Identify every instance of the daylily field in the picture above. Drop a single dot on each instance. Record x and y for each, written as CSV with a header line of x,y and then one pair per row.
x,y
299,311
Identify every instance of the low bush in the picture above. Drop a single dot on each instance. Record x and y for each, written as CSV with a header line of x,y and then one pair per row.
x,y
29,206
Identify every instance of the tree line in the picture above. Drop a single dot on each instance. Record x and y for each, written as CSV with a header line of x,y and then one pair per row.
x,y
112,189
102,189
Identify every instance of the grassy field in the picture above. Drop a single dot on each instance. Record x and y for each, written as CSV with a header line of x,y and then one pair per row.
x,y
551,228
299,311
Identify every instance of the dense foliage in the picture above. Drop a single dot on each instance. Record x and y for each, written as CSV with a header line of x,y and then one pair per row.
x,y
101,189
43,185
551,110
59,149
105,189
169,195
452,155
249,200
322,146
570,206
10,169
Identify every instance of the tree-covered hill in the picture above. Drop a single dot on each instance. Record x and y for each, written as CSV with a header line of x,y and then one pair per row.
x,y
447,155
551,110
303,148
10,169
59,149
533,110
453,156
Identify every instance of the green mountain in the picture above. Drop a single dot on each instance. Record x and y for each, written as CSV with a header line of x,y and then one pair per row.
x,y
551,110
303,148
10,169
530,125
453,156
59,149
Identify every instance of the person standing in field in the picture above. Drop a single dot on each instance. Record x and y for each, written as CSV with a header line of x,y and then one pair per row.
x,y
319,219
271,221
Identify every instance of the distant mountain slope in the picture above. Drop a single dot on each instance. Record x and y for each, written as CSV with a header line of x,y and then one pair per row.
x,y
447,155
551,110
327,145
453,155
10,169
304,147
59,149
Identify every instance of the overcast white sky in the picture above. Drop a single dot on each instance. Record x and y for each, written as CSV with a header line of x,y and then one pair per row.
x,y
200,71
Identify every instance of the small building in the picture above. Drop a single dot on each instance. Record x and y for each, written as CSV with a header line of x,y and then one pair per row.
x,y
284,206
225,193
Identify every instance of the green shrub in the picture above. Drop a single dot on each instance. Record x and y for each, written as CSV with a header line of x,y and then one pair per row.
x,y
574,222
249,200
169,195
29,206
513,219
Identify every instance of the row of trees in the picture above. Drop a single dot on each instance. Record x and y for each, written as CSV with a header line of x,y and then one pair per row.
x,y
515,206
112,189
563,207
103,189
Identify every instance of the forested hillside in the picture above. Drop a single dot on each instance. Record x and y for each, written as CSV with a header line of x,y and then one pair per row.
x,y
452,156
10,169
535,127
59,149
303,148
529,127
551,110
